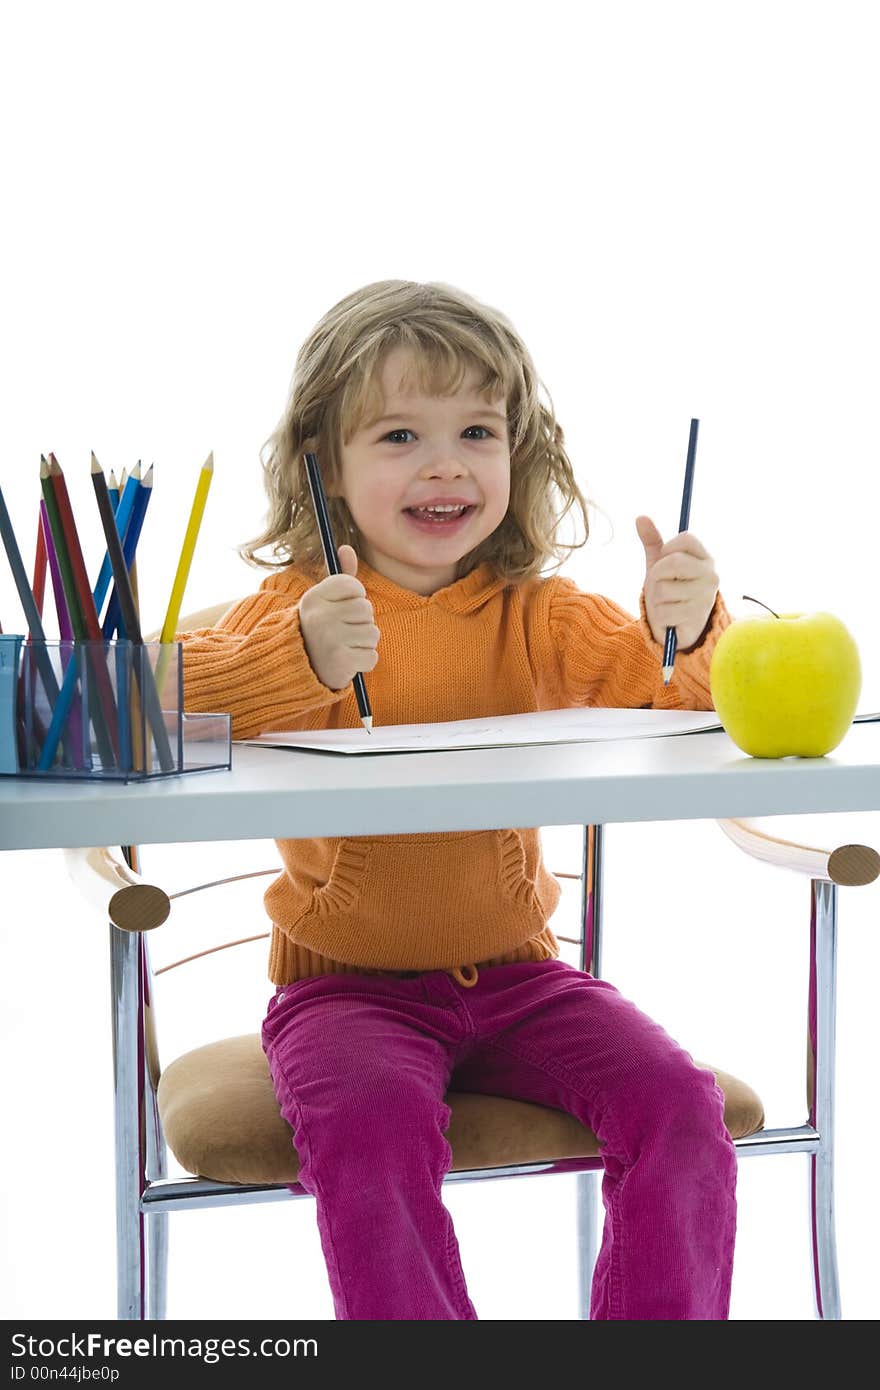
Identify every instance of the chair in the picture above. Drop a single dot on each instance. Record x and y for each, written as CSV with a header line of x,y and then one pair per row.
x,y
215,1109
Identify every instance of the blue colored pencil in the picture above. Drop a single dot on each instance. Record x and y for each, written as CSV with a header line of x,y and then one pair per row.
x,y
142,671
123,508
122,651
113,618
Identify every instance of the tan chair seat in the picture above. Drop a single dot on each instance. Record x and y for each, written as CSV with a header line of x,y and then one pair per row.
x,y
221,1120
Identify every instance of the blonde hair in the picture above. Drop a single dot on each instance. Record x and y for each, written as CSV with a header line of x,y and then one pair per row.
x,y
335,390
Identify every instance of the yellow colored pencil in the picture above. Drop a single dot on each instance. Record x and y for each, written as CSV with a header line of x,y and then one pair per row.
x,y
169,627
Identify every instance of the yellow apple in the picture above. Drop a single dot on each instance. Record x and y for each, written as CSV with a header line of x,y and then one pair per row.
x,y
786,684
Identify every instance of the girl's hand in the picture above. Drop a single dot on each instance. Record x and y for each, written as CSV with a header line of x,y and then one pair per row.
x,y
680,583
336,621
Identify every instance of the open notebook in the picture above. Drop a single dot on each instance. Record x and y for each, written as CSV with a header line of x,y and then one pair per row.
x,y
498,731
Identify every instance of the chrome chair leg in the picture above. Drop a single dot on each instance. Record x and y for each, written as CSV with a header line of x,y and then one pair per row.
x,y
157,1265
820,1086
588,1203
156,1152
127,1002
587,1236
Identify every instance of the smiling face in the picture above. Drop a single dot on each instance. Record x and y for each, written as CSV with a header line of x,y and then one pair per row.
x,y
427,481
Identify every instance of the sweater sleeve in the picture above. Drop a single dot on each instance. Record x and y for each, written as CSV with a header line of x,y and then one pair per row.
x,y
607,658
253,664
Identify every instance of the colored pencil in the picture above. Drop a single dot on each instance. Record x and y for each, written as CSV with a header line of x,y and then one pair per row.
x,y
131,744
134,721
331,559
126,697
142,670
132,569
26,598
137,742
50,504
172,614
129,548
83,589
70,627
169,626
68,656
39,584
84,617
65,631
122,513
683,523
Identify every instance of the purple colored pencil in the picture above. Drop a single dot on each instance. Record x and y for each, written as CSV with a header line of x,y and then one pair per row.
x,y
65,630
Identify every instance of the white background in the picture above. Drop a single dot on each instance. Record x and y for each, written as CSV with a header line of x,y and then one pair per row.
x,y
675,205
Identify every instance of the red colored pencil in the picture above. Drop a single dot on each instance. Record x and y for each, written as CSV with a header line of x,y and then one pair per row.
x,y
74,553
88,612
39,584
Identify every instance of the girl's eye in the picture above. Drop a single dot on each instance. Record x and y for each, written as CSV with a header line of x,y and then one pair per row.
x,y
393,436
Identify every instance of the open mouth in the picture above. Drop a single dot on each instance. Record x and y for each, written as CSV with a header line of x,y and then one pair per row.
x,y
439,518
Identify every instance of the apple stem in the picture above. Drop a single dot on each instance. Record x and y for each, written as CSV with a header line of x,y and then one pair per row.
x,y
749,599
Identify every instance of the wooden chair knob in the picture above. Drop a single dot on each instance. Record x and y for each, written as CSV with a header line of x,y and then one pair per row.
x,y
140,907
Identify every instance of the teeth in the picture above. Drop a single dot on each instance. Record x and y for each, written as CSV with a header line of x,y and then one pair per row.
x,y
459,508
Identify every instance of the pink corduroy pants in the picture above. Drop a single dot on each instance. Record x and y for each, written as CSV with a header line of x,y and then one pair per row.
x,y
361,1064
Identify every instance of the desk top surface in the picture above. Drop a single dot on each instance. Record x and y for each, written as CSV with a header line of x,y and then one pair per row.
x,y
273,793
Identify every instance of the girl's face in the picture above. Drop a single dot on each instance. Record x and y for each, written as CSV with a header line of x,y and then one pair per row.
x,y
428,481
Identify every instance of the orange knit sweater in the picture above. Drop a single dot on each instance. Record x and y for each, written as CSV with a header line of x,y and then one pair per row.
x,y
482,646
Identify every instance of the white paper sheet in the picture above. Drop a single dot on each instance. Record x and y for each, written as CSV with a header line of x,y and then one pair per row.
x,y
498,731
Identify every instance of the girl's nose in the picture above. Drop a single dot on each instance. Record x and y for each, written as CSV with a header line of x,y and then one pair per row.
x,y
444,464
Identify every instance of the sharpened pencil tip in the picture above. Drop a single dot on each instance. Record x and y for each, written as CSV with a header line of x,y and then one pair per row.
x,y
367,722
44,466
208,465
667,674
147,479
96,467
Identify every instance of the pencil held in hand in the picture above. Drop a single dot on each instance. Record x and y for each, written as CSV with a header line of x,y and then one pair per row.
x,y
683,523
331,560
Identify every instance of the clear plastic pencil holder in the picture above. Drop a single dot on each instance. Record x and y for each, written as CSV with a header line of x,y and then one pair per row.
x,y
105,710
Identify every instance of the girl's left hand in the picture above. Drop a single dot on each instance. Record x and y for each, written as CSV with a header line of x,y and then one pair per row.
x,y
680,583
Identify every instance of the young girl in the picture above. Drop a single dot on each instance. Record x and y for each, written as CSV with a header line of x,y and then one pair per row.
x,y
407,964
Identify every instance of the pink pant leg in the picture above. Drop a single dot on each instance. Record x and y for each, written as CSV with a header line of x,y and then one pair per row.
x,y
555,1036
360,1067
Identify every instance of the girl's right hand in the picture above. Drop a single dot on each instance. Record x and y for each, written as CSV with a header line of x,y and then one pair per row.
x,y
336,621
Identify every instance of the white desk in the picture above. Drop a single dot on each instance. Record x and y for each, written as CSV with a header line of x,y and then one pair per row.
x,y
274,793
